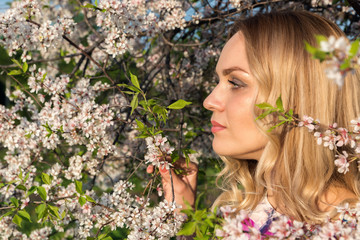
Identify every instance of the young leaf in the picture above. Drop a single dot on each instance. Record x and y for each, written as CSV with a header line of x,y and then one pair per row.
x,y
31,191
6,214
279,104
21,187
134,80
17,220
41,211
89,5
90,199
25,67
82,200
188,229
16,62
312,50
354,48
78,185
179,104
15,202
264,105
54,211
24,214
134,103
139,124
15,72
46,178
42,192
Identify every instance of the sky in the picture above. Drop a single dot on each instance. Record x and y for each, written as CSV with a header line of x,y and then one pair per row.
x,y
3,5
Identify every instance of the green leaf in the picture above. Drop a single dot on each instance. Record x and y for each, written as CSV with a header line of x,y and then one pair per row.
x,y
198,200
199,214
345,65
17,220
21,187
43,78
16,62
25,67
104,236
312,50
15,202
320,55
354,48
90,199
24,214
107,238
31,190
78,185
6,214
321,38
279,104
54,211
209,222
96,3
20,174
139,124
42,192
134,103
26,176
15,72
41,211
281,118
134,80
134,89
82,200
277,125
179,104
264,114
89,5
264,105
188,229
46,178
1,185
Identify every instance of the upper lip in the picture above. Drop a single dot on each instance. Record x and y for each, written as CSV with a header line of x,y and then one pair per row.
x,y
216,124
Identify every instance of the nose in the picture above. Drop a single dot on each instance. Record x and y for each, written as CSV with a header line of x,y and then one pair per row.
x,y
214,102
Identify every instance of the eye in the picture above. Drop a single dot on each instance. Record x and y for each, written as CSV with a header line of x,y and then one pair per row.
x,y
236,83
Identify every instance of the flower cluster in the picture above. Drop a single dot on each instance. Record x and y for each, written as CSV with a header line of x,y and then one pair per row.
x,y
334,138
20,31
120,209
158,150
240,226
340,57
122,21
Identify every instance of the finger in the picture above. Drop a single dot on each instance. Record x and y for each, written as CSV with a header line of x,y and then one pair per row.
x,y
150,169
166,179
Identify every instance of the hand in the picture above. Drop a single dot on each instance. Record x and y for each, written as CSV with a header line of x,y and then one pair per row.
x,y
184,184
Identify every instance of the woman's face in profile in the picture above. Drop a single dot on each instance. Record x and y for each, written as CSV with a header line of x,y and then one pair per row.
x,y
232,103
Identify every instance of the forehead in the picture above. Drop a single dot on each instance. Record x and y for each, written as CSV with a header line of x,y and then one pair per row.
x,y
233,54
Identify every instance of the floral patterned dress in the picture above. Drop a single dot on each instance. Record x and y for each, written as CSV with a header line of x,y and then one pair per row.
x,y
263,215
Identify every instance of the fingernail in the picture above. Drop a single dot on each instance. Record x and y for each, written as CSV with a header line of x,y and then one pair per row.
x,y
163,169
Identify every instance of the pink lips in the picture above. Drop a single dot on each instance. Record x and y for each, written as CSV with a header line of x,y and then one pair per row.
x,y
216,127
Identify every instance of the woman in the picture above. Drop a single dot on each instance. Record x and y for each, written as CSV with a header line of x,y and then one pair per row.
x,y
285,169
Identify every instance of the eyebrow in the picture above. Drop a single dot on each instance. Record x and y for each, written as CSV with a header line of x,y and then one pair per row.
x,y
229,70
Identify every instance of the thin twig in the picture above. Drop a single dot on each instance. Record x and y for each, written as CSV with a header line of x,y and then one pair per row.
x,y
24,88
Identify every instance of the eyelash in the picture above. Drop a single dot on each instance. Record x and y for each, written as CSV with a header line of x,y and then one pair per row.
x,y
236,85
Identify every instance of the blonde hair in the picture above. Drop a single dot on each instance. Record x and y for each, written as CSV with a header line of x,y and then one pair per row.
x,y
298,170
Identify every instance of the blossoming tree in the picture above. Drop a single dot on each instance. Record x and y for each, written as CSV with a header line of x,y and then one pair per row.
x,y
96,91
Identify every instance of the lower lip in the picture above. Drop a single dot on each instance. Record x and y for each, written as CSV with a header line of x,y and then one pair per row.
x,y
215,129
